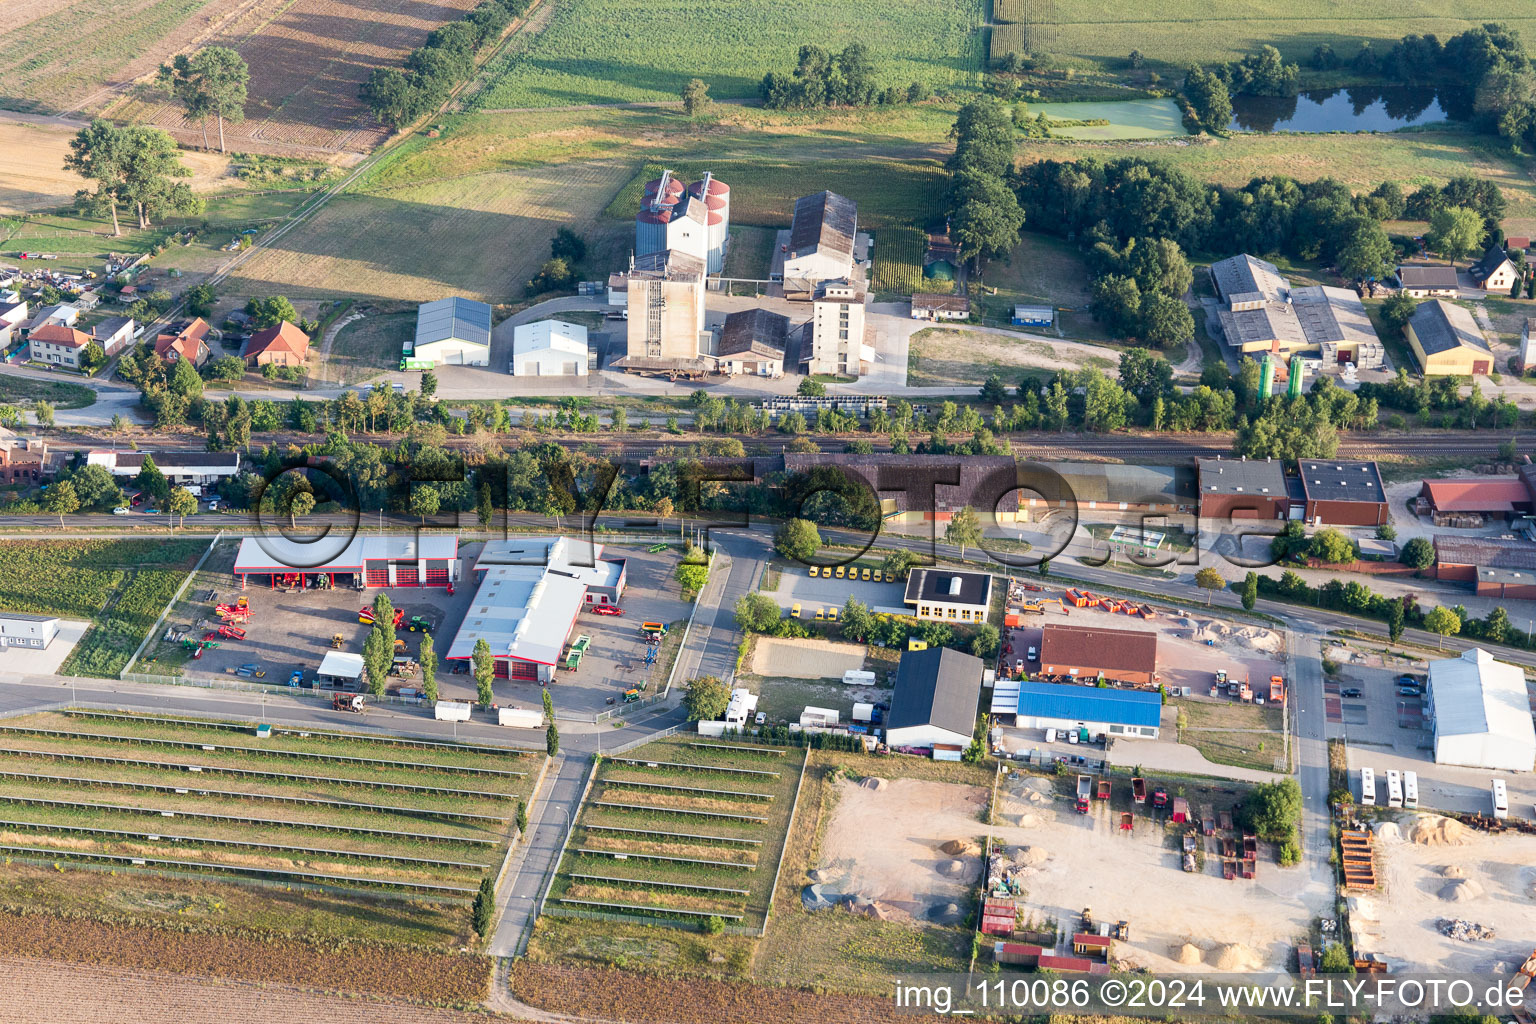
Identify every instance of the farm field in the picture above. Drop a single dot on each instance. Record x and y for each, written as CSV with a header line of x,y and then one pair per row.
x,y
1176,33
399,832
417,242
120,587
612,51
680,831
307,60
898,259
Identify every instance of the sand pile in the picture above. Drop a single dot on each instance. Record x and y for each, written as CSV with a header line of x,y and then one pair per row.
x,y
1233,956
951,868
1453,871
1387,833
873,783
1461,890
948,913
1433,830
960,848
1031,856
1189,953
1029,820
1036,798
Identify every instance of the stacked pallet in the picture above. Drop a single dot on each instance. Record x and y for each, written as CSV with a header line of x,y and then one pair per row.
x,y
1359,860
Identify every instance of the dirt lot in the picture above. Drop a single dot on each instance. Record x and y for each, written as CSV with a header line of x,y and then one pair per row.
x,y
940,356
1488,880
805,659
1075,861
883,849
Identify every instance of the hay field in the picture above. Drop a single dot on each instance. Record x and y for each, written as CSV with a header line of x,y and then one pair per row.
x,y
1178,32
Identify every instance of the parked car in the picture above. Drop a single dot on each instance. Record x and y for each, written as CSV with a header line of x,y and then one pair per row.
x,y
1350,691
1407,680
121,510
1409,691
1033,653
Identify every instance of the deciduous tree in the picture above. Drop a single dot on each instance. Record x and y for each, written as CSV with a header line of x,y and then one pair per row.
x,y
706,699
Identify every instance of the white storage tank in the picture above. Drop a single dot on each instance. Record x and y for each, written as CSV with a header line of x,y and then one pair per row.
x,y
716,195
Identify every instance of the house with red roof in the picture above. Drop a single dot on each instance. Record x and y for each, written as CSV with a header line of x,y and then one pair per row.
x,y
283,345
185,339
58,344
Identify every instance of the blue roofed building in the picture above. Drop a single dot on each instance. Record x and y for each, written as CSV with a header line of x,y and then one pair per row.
x,y
1130,714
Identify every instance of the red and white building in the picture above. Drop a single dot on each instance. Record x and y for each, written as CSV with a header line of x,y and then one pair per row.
x,y
375,562
531,590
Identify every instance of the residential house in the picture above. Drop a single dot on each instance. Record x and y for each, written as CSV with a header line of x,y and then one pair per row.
x,y
282,345
23,461
934,306
12,316
1446,340
63,313
1495,272
1527,358
1428,281
58,345
114,334
181,469
753,341
184,339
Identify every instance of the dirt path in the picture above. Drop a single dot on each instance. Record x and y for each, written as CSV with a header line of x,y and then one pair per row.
x,y
322,371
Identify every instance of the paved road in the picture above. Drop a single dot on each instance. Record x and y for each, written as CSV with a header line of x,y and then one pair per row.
x,y
1311,740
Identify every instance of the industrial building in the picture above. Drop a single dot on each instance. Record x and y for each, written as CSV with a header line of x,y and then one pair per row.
x,y
665,295
752,341
530,592
1242,489
1480,714
935,700
1337,493
925,488
1104,487
1258,311
1447,341
363,562
451,332
1132,714
1495,566
820,244
837,331
695,219
191,469
1428,281
549,348
1090,653
20,630
949,595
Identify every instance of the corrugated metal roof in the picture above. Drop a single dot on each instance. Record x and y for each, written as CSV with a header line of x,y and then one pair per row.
x,y
1441,327
1338,480
1090,704
1487,494
939,687
1475,695
453,318
549,336
824,223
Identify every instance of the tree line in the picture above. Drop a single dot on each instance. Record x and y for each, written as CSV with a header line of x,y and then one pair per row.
x,y
398,96
822,78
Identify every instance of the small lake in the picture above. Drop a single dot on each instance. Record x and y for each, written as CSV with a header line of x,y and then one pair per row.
x,y
1364,109
1128,119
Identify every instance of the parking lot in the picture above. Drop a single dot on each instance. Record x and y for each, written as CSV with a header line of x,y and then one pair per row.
x,y
292,631
796,585
29,661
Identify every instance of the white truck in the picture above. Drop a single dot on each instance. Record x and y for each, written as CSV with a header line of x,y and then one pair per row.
x,y
519,718
451,711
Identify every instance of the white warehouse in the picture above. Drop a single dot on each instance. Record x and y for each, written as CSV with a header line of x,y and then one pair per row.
x,y
453,332
1480,713
549,348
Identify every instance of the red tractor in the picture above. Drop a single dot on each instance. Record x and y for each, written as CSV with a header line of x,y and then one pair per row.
x,y
606,609
365,616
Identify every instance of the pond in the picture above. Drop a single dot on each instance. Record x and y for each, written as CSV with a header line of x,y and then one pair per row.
x,y
1363,109
1128,119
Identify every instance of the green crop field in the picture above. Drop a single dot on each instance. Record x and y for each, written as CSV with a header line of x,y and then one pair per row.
x,y
683,853
1178,32
142,805
899,262
611,51
120,587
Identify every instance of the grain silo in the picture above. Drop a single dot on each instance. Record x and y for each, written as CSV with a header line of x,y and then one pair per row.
x,y
716,196
656,207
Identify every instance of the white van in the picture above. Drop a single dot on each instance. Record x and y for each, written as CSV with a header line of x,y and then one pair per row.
x,y
1367,788
1050,735
1500,799
1394,788
1411,790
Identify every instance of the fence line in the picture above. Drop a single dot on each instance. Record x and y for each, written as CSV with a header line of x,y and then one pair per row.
x,y
654,922
672,730
520,841
789,830
554,864
154,631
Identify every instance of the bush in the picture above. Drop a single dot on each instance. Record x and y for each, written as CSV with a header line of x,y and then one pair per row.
x,y
713,925
1290,852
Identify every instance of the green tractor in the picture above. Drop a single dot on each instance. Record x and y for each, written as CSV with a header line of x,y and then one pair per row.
x,y
420,623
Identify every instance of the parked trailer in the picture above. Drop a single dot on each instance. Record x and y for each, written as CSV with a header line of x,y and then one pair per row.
x,y
1367,788
1103,791
1394,788
1084,788
1180,810
1500,800
1410,790
451,711
519,718
1139,790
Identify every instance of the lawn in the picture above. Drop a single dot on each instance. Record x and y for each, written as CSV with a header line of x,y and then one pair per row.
x,y
367,347
1042,270
750,252
16,390
1177,33
1227,732
610,51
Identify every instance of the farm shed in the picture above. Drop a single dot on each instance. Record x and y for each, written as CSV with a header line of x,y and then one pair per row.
x,y
1084,652
453,332
340,668
372,561
1480,714
935,699
1428,281
282,345
936,306
1486,495
1340,493
530,592
1103,712
949,595
1034,316
1242,488
20,630
820,246
549,348
1446,340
